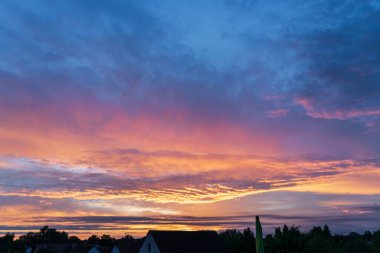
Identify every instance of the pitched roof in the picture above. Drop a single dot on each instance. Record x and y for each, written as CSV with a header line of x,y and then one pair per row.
x,y
103,249
128,245
86,247
82,248
187,241
55,247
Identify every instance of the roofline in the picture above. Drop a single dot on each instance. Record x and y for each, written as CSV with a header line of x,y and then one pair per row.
x,y
151,232
185,231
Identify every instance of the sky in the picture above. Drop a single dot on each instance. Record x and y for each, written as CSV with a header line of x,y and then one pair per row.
x,y
123,116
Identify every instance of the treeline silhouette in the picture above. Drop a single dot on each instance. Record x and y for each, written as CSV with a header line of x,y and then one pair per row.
x,y
292,240
284,240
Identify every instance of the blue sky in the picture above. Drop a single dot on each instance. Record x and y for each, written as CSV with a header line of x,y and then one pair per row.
x,y
141,109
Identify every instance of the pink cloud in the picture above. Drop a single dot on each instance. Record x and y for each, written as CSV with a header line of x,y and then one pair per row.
x,y
340,114
278,113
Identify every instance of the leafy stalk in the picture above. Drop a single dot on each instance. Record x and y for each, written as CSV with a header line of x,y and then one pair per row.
x,y
259,237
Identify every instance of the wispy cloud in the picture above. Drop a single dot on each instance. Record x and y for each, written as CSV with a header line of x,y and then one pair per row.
x,y
83,224
161,177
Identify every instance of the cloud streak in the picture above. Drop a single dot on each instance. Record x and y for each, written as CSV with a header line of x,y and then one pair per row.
x,y
143,175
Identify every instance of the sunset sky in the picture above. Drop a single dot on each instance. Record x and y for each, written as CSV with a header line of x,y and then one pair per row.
x,y
123,116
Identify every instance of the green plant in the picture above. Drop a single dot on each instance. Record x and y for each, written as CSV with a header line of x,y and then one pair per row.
x,y
259,237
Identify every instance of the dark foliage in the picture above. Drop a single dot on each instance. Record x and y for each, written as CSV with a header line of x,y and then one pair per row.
x,y
45,235
9,245
239,242
74,239
93,239
292,240
104,240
